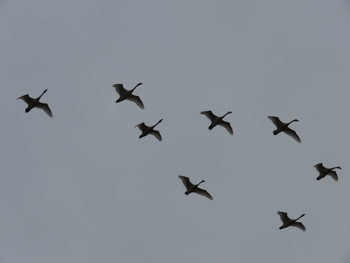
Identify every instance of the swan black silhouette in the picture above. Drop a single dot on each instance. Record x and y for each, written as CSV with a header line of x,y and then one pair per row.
x,y
215,120
283,127
323,171
35,103
125,94
290,222
145,130
193,188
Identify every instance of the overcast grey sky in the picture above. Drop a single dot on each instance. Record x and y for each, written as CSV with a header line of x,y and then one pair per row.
x,y
81,187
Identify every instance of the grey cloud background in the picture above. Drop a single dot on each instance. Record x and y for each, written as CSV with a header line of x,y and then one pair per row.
x,y
81,187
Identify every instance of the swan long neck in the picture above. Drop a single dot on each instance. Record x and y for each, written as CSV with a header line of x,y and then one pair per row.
x,y
200,182
292,121
337,167
42,94
136,86
157,123
299,217
227,113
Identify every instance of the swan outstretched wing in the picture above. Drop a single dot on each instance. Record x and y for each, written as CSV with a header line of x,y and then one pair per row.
x,y
276,121
292,133
156,134
142,126
227,126
119,88
203,192
26,99
137,100
209,114
334,175
45,107
299,225
186,181
284,217
319,167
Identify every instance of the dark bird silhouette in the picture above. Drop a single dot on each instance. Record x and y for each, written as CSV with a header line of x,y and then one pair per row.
x,y
193,188
290,222
145,130
125,94
35,103
283,127
323,171
215,120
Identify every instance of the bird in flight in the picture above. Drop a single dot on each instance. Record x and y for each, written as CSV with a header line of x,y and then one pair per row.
x,y
215,120
193,188
125,94
323,171
145,130
35,103
286,221
283,127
